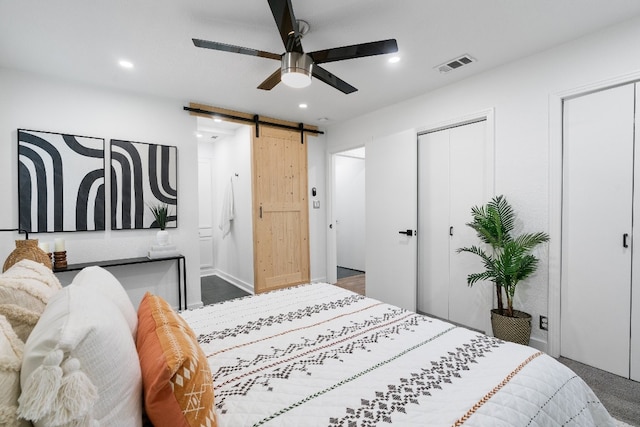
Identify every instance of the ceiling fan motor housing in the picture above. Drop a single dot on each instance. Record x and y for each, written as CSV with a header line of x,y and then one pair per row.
x,y
296,69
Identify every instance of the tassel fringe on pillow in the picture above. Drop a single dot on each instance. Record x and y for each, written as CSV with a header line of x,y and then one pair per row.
x,y
58,393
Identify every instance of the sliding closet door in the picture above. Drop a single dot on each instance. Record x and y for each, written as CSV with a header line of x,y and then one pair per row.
x,y
452,178
433,223
635,283
468,175
598,152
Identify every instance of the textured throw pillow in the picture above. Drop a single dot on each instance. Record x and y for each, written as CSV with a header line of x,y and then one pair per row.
x,y
11,350
80,365
25,289
177,382
97,279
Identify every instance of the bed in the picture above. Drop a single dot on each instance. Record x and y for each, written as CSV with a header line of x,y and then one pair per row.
x,y
319,355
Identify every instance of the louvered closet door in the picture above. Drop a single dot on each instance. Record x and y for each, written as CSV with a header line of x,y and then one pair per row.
x,y
452,179
598,164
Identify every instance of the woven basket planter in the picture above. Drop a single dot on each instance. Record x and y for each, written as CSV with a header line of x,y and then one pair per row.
x,y
515,329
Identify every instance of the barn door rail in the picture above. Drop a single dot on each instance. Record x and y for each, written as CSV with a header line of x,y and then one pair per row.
x,y
256,121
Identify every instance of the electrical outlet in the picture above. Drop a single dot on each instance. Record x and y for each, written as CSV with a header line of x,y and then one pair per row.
x,y
316,204
544,325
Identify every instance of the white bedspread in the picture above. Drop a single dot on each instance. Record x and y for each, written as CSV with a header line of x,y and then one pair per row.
x,y
317,355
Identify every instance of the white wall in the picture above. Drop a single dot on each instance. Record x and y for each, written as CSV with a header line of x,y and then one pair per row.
x,y
34,102
350,212
316,164
233,254
520,92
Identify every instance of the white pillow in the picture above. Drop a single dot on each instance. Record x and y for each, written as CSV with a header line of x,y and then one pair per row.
x,y
80,365
11,350
100,280
25,289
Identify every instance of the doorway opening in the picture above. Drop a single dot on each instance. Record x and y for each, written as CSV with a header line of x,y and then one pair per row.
x,y
349,214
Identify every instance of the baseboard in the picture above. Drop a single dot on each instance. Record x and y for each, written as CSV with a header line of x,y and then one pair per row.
x,y
208,271
538,344
247,287
195,305
320,280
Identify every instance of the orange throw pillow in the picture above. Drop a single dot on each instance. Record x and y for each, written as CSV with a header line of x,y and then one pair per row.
x,y
177,381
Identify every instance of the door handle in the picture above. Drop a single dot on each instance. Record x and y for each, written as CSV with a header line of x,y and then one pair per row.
x,y
408,232
625,244
451,231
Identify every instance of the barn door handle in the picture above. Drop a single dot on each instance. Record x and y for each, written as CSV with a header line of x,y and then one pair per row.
x,y
625,236
408,232
260,212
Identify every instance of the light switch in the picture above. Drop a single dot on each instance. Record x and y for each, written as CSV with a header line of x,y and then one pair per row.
x,y
316,204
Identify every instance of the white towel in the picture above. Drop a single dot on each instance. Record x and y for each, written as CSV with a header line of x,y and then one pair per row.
x,y
227,214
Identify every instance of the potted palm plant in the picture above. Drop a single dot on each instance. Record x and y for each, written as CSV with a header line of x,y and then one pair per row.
x,y
161,215
507,261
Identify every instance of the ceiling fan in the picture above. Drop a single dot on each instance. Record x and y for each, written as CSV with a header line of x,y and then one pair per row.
x,y
297,67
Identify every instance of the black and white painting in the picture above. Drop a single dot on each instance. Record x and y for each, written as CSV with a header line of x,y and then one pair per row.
x,y
142,175
61,185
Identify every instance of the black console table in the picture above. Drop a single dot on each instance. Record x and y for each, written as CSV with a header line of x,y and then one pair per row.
x,y
182,270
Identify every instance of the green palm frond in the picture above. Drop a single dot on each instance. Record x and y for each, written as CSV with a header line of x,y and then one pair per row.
x,y
508,260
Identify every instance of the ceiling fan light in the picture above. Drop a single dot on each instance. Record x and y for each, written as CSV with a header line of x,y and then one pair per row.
x,y
296,69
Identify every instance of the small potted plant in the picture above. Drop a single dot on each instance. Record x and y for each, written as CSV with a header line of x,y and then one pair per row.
x,y
507,261
161,215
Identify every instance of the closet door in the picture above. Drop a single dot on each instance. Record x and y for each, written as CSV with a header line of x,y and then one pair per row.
x,y
433,224
467,171
635,283
598,151
452,179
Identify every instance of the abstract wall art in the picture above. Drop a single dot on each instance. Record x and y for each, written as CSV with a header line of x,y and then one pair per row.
x,y
61,185
142,175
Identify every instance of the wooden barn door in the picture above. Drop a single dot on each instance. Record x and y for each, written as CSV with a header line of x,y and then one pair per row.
x,y
280,209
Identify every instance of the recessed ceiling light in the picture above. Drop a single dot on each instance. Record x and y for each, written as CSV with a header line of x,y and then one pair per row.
x,y
303,105
125,64
323,119
199,135
394,59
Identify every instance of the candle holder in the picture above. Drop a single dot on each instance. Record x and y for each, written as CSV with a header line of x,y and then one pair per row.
x,y
60,259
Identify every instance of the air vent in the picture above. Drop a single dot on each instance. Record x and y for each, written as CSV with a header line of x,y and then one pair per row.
x,y
455,63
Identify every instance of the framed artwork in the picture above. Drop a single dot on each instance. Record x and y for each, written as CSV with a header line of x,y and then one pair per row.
x,y
61,185
142,175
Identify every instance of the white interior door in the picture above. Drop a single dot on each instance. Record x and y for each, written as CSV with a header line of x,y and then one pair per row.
x,y
453,177
597,215
635,283
433,223
469,306
391,207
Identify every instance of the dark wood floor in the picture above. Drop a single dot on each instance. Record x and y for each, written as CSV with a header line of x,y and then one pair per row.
x,y
353,280
215,289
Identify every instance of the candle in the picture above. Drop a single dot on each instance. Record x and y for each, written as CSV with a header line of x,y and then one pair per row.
x,y
59,245
44,246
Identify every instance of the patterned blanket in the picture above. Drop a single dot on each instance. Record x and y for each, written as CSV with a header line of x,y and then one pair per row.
x,y
318,355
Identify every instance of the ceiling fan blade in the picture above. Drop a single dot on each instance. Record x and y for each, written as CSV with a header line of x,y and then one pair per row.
x,y
354,51
330,79
287,26
271,81
235,49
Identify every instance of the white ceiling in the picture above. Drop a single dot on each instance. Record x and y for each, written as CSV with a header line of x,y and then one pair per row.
x,y
82,40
